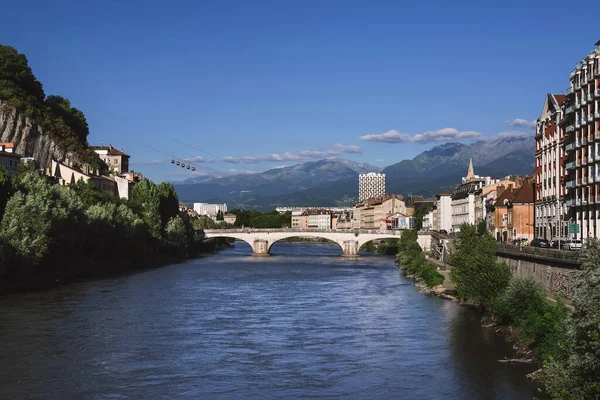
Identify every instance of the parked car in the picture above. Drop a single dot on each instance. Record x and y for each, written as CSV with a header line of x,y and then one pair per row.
x,y
554,242
571,244
540,242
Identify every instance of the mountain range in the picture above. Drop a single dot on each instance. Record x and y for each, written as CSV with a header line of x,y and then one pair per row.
x,y
334,182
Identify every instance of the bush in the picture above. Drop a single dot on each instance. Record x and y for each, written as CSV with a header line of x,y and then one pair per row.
x,y
516,298
575,372
412,260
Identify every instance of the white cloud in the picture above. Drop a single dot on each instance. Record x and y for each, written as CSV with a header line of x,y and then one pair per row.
x,y
148,162
300,155
521,123
441,135
197,159
379,160
514,134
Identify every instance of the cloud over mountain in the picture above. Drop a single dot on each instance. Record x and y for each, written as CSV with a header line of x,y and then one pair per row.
x,y
521,123
300,155
440,135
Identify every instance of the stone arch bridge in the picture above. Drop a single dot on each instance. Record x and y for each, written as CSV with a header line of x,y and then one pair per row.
x,y
261,240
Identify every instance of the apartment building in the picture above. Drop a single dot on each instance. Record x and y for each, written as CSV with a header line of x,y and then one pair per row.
x,y
581,123
373,213
319,219
550,172
370,185
210,209
116,160
513,211
444,211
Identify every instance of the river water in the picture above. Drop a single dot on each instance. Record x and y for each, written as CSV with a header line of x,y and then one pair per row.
x,y
302,323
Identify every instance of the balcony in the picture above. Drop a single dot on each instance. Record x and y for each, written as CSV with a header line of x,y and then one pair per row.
x,y
577,103
584,140
569,91
590,159
597,157
570,128
578,202
590,96
569,110
598,93
570,202
577,86
590,117
597,115
596,72
577,124
570,165
570,184
570,146
583,99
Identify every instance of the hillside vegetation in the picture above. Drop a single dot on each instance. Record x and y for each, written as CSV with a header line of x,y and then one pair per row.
x,y
20,88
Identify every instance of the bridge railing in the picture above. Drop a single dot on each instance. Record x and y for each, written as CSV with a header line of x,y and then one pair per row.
x,y
308,230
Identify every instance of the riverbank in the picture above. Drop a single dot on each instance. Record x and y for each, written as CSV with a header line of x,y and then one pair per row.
x,y
524,354
92,269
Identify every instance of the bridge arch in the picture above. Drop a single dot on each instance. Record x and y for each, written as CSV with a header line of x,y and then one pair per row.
x,y
261,240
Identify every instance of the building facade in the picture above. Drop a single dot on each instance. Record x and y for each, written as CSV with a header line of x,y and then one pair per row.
x,y
9,159
444,211
319,219
210,209
116,160
550,173
370,185
464,197
581,125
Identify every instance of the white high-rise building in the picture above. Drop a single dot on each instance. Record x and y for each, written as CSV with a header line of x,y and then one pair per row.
x,y
370,185
210,209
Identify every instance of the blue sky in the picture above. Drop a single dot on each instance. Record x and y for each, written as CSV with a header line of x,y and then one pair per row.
x,y
252,85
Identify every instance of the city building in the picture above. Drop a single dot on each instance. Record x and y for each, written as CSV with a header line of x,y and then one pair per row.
x,y
9,159
550,173
116,160
210,209
67,173
373,213
581,124
299,219
444,211
319,219
463,203
370,185
513,211
403,222
229,218
343,219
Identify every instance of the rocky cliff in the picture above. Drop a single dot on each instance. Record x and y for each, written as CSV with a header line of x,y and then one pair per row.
x,y
30,139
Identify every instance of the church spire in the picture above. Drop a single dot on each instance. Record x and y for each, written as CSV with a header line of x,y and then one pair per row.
x,y
470,172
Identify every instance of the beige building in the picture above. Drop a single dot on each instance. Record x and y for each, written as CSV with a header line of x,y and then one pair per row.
x,y
116,160
229,218
67,173
9,159
373,213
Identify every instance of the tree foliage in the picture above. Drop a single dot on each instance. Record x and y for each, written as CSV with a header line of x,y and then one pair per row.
x,y
21,89
6,189
475,273
421,212
575,372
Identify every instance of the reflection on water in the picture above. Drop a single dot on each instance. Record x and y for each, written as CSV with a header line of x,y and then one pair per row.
x,y
302,323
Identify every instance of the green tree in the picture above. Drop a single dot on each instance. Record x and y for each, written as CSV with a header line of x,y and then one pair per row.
x,y
475,273
219,215
168,202
89,194
176,232
18,84
41,219
575,373
6,189
146,198
421,212
481,228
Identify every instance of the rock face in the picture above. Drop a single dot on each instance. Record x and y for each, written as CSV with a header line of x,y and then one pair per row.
x,y
30,139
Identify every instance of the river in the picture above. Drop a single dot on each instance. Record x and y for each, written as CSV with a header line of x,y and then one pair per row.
x,y
302,323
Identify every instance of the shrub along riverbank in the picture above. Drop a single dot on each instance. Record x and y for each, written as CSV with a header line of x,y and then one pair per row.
x,y
51,233
568,345
413,262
